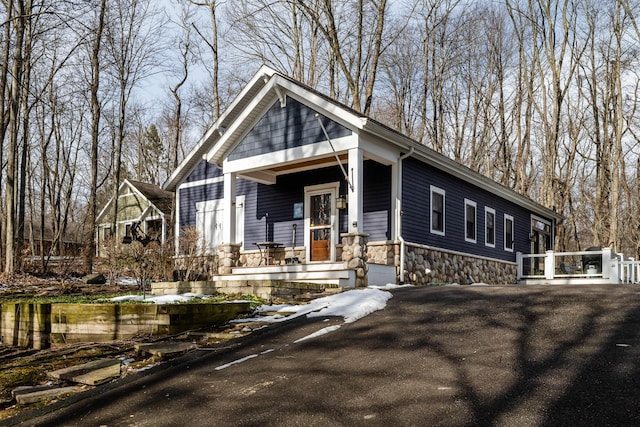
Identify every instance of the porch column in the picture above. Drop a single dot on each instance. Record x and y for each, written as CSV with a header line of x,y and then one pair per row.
x,y
396,201
229,221
229,250
355,192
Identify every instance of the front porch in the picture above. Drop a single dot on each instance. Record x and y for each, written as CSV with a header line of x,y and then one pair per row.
x,y
597,266
284,269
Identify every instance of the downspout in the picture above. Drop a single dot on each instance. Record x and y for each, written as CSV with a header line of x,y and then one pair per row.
x,y
399,213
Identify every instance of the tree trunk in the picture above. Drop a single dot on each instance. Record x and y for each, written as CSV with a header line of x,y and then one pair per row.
x,y
96,111
14,129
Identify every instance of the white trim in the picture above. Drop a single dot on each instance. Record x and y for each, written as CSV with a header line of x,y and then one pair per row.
x,y
474,205
437,190
292,155
334,189
542,220
176,226
201,182
513,229
463,254
488,210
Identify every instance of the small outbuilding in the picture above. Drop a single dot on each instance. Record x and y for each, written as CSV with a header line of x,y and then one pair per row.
x,y
144,213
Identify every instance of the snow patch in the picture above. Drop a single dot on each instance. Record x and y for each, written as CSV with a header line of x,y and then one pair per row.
x,y
160,299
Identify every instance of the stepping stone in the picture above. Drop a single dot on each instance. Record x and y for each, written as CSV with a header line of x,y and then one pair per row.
x,y
24,389
165,350
92,373
49,394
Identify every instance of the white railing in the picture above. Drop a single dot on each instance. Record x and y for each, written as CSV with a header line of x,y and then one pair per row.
x,y
603,265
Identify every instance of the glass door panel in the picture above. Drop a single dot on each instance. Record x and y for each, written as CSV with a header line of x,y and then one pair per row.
x,y
320,226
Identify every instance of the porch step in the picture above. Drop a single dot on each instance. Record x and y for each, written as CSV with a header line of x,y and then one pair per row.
x,y
336,277
291,268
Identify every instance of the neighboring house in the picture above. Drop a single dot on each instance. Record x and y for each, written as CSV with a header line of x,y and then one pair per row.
x,y
290,177
53,242
144,212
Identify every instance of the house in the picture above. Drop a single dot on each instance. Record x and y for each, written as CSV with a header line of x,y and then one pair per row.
x,y
144,213
291,185
48,242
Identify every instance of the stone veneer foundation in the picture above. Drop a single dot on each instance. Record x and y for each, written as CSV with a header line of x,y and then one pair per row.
x,y
423,264
453,267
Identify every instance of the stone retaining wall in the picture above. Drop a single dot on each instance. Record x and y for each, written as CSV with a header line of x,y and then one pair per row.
x,y
41,325
451,267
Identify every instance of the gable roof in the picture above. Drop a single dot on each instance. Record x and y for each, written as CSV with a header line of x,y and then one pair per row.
x,y
161,199
157,197
267,86
257,82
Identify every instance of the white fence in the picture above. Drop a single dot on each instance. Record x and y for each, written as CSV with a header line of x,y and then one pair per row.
x,y
601,266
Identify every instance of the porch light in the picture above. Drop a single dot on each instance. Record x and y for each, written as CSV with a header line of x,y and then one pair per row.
x,y
341,202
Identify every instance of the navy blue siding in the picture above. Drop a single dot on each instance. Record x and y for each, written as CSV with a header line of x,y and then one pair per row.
x,y
377,201
277,201
269,208
417,179
204,170
192,195
281,128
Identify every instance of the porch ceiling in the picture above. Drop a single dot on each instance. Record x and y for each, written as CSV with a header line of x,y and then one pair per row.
x,y
268,173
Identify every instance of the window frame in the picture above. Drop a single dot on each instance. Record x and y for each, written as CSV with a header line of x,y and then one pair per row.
x,y
433,190
487,211
509,245
467,204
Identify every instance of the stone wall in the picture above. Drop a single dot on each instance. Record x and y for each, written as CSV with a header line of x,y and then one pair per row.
x,y
427,265
354,254
385,253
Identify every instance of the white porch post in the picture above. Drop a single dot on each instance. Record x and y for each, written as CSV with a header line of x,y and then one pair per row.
x,y
355,192
176,226
396,204
229,231
549,265
519,266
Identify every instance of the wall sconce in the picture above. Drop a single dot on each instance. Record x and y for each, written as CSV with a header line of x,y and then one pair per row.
x,y
341,202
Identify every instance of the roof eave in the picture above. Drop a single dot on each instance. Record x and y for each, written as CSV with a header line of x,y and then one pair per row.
x,y
215,132
454,168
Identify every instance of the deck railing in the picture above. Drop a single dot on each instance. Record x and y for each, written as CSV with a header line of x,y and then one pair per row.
x,y
603,265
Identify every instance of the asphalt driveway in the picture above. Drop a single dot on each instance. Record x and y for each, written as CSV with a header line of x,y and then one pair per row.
x,y
448,356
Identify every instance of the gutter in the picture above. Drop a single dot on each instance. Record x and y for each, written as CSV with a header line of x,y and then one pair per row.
x,y
399,213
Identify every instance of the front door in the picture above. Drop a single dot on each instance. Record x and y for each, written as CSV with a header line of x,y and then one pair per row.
x,y
320,221
540,243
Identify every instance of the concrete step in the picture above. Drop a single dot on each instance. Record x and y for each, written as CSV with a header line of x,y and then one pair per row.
x,y
91,373
291,268
330,276
46,394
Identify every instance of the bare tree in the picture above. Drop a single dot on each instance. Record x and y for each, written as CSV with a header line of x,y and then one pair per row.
x,y
132,44
17,13
96,113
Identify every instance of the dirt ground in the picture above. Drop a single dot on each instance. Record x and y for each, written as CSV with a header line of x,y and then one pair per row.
x,y
29,367
17,286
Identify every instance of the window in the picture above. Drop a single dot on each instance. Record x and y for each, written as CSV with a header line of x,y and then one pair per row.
x,y
470,221
508,233
437,210
490,227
